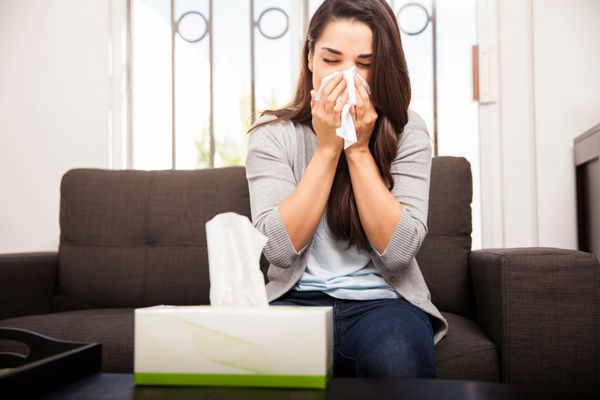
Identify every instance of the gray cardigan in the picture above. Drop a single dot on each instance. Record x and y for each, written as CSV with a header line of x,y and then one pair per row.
x,y
277,156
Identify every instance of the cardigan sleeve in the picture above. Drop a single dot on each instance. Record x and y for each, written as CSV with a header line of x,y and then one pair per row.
x,y
411,171
270,180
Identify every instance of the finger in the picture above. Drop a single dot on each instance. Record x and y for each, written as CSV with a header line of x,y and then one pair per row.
x,y
312,99
360,104
366,101
340,104
368,107
318,105
331,85
333,96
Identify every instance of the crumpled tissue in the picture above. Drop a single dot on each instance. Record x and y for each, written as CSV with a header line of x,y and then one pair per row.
x,y
234,250
346,129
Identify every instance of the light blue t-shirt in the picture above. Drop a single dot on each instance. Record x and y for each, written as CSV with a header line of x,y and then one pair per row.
x,y
340,272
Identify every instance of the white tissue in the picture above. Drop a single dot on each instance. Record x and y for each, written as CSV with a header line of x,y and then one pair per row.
x,y
346,129
234,249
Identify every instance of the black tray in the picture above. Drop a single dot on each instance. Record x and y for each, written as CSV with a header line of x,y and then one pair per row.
x,y
51,363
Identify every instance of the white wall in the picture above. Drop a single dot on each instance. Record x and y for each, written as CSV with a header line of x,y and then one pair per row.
x,y
548,92
516,124
55,94
566,64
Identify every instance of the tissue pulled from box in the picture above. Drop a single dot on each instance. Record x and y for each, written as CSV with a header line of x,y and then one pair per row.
x,y
346,130
234,249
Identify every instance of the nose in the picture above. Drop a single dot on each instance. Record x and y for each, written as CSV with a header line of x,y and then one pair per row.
x,y
346,66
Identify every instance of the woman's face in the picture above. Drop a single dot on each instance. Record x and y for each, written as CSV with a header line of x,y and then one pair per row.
x,y
342,44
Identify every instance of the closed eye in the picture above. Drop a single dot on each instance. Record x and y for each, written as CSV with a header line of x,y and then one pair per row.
x,y
334,61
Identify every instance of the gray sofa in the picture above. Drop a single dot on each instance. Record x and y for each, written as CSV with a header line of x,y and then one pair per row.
x,y
132,238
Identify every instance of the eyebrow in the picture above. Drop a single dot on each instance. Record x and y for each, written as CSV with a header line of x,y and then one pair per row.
x,y
334,51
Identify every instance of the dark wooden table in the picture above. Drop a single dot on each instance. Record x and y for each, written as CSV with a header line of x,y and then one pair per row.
x,y
120,386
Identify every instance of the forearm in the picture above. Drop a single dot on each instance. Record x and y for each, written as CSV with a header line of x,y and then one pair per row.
x,y
302,210
378,209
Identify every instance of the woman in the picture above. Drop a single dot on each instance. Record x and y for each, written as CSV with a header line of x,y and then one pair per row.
x,y
357,215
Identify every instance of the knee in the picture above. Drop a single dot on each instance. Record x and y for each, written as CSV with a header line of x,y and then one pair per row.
x,y
398,356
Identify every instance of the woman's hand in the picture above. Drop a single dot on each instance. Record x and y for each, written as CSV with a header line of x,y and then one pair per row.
x,y
326,113
364,117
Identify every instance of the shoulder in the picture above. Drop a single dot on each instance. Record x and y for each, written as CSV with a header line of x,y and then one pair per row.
x,y
415,121
415,136
271,125
415,129
262,120
273,133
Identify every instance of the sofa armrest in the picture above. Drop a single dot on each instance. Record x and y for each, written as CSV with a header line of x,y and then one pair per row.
x,y
27,283
541,308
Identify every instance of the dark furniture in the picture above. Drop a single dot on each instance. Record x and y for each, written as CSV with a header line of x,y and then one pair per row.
x,y
120,386
132,238
48,365
587,166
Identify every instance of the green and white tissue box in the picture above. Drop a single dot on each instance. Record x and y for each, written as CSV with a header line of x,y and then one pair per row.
x,y
274,346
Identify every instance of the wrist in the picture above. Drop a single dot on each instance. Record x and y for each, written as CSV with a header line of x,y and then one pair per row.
x,y
328,151
357,151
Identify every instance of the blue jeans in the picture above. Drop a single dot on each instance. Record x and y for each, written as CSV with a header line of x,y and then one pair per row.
x,y
384,338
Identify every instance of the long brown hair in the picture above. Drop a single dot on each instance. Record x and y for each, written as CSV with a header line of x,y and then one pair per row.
x,y
391,93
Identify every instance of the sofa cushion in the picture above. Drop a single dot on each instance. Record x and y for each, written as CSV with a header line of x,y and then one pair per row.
x,y
113,328
464,353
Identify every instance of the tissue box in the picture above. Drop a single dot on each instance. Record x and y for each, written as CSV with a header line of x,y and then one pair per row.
x,y
275,346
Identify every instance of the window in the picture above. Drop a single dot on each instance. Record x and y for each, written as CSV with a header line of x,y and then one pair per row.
x,y
197,79
201,67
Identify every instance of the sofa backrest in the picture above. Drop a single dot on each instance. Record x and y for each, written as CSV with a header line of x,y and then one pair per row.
x,y
444,254
134,238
